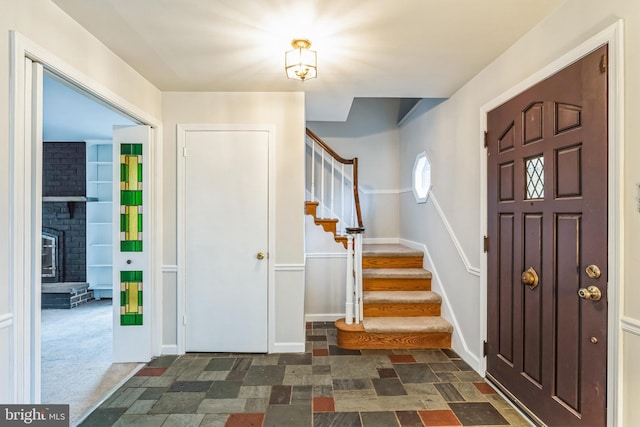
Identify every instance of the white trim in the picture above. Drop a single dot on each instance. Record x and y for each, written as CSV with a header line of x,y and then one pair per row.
x,y
287,347
323,255
181,131
169,268
458,342
24,199
6,320
289,267
475,271
379,192
631,325
614,36
323,317
169,349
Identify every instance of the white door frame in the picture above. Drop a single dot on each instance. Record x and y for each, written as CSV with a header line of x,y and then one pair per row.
x,y
613,36
25,201
182,130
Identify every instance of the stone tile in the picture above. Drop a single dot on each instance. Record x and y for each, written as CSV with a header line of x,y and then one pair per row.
x,y
295,359
470,392
387,373
245,420
323,404
141,420
449,392
322,360
484,388
515,418
190,386
321,352
162,361
280,395
355,394
222,364
177,403
299,370
135,382
322,391
439,418
352,384
443,367
409,419
265,375
140,407
321,370
190,374
159,382
242,364
236,375
254,391
214,420
379,419
382,403
224,390
335,419
468,376
415,373
462,365
477,414
334,350
429,356
317,338
266,359
183,420
173,371
388,387
151,372
401,358
125,398
450,353
213,376
103,417
447,377
287,416
256,405
301,394
221,406
422,389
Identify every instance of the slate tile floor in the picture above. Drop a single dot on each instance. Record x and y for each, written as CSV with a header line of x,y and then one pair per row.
x,y
324,387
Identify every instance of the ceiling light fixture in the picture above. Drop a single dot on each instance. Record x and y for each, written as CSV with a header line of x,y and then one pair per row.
x,y
301,62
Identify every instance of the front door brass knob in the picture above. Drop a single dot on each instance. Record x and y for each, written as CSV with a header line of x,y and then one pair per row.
x,y
530,278
260,255
592,293
593,271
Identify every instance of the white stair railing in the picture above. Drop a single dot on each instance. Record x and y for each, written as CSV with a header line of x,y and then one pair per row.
x,y
322,165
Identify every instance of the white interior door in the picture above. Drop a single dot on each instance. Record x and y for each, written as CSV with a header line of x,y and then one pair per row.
x,y
226,240
131,274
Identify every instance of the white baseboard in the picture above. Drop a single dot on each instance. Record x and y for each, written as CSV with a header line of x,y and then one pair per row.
x,y
169,349
288,347
323,317
380,240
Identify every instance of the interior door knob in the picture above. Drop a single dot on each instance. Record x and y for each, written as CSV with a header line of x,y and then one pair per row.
x,y
260,255
592,293
530,278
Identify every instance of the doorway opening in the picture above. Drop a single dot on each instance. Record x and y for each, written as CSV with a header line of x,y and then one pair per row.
x,y
77,229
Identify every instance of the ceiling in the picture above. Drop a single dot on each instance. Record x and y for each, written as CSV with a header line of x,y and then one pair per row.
x,y
366,48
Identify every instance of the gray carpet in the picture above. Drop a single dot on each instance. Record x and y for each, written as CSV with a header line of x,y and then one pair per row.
x,y
76,356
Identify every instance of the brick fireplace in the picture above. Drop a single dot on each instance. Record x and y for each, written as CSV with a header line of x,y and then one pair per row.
x,y
64,229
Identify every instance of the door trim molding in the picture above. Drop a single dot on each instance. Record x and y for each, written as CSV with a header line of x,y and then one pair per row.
x,y
181,131
25,362
613,36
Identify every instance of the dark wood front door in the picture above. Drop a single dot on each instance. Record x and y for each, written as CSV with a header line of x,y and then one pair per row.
x,y
547,203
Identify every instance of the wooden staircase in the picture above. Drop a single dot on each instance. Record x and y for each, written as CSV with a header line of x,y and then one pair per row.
x,y
400,310
327,224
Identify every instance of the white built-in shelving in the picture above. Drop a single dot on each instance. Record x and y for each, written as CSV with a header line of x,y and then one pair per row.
x,y
99,218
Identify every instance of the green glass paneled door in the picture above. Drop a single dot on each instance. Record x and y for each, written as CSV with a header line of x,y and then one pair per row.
x,y
131,197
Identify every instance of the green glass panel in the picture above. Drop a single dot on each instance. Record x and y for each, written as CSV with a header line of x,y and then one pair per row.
x,y
137,149
130,198
140,298
139,172
131,246
131,276
123,298
128,319
138,319
139,222
124,172
123,222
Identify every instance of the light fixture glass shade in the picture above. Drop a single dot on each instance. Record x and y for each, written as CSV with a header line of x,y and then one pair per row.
x,y
301,62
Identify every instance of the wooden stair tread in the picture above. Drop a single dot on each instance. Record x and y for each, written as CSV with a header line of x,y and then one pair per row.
x,y
395,273
389,250
417,324
396,297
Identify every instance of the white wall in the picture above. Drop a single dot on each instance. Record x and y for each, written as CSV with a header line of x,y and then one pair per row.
x,y
450,133
286,112
370,134
45,24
